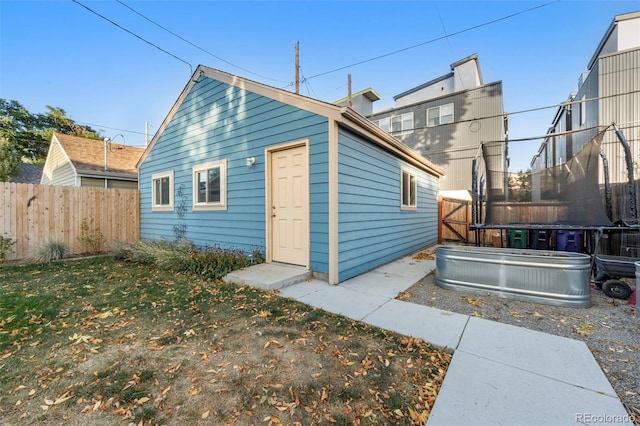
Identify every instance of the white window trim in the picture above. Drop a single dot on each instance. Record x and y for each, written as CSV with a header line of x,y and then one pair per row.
x,y
439,108
388,123
402,130
384,122
410,172
162,207
222,205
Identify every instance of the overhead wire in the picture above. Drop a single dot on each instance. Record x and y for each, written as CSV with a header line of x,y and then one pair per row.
x,y
444,30
133,34
306,79
195,45
484,24
99,126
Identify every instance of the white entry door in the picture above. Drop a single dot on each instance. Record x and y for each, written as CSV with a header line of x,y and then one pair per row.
x,y
290,206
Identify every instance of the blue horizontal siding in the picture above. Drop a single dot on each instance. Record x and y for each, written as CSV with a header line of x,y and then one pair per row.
x,y
319,206
217,121
373,229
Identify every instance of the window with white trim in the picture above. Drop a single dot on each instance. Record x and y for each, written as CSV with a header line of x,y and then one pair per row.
x,y
383,123
442,114
396,124
162,191
402,124
210,186
409,190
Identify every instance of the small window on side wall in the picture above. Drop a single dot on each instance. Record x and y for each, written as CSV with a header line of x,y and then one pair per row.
x,y
210,186
162,191
409,190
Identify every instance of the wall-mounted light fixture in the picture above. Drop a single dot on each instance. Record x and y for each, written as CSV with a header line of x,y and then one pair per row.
x,y
251,161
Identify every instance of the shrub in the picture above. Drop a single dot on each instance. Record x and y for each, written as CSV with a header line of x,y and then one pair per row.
x,y
53,248
212,264
92,240
208,263
5,246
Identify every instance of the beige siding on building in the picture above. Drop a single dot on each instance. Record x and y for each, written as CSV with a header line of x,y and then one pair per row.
x,y
58,170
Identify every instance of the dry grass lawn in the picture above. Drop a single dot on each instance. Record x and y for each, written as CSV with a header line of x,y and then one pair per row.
x,y
100,341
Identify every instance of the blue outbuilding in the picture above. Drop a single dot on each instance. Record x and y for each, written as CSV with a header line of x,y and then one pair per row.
x,y
244,165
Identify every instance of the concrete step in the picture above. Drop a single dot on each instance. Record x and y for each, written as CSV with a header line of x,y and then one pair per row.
x,y
269,276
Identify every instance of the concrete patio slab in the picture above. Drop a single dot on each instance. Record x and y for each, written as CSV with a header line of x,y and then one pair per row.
x,y
408,268
480,391
379,284
560,358
343,301
440,328
304,288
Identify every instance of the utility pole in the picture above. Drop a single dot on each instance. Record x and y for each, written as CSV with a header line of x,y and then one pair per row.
x,y
297,68
146,134
350,103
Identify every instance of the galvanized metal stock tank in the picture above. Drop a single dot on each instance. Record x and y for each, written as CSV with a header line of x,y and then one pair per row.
x,y
549,277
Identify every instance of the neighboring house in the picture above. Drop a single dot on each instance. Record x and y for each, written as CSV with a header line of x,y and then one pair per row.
x,y
239,164
448,118
608,92
76,161
28,173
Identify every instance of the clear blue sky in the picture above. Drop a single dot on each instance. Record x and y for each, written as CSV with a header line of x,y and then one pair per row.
x,y
58,53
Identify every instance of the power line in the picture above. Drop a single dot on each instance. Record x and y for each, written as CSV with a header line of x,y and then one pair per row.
x,y
109,127
484,24
196,46
310,90
132,33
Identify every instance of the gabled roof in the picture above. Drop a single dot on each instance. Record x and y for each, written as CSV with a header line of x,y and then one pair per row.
x,y
344,116
87,156
28,173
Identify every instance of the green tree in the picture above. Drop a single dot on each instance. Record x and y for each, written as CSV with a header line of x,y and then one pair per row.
x,y
8,160
520,186
30,134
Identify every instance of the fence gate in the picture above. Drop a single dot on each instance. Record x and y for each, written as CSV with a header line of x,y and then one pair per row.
x,y
453,223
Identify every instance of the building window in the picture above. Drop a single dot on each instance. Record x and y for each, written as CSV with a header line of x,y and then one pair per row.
x,y
396,124
210,186
409,190
442,114
383,123
162,191
583,110
401,124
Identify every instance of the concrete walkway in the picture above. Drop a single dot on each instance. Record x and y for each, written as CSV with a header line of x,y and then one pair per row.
x,y
499,375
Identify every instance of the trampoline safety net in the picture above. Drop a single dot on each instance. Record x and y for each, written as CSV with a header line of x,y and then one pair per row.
x,y
568,194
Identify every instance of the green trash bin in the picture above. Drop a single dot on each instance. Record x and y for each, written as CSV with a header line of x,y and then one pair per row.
x,y
518,238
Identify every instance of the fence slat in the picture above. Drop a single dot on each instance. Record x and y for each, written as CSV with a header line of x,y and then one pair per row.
x,y
31,213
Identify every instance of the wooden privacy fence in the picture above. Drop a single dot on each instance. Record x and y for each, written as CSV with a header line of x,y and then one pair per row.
x,y
454,220
29,214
